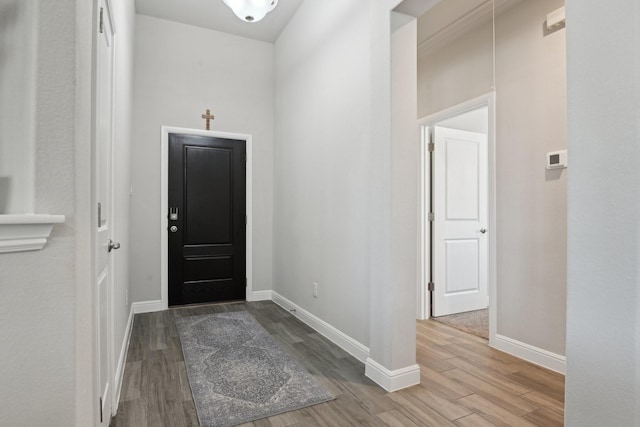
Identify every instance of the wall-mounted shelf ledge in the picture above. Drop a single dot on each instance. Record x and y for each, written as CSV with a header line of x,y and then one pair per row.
x,y
28,232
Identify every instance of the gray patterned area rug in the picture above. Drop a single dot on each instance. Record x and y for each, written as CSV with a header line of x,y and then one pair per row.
x,y
238,373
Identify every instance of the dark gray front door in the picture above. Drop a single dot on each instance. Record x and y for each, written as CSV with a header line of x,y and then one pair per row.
x,y
207,231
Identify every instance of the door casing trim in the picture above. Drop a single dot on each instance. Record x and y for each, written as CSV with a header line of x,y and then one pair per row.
x,y
164,204
423,308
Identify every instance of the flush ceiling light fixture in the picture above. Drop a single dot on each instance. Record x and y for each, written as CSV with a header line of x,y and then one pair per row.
x,y
251,10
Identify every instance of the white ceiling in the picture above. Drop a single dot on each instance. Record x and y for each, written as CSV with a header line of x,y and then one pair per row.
x,y
442,17
215,15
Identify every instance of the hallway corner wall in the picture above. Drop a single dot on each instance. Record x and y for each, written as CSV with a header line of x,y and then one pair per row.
x,y
181,70
531,202
38,288
124,16
603,301
321,182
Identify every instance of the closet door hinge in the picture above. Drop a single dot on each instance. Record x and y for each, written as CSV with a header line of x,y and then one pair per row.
x,y
101,410
101,20
431,217
431,286
431,147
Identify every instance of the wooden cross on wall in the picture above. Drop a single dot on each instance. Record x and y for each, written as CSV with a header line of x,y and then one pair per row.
x,y
208,117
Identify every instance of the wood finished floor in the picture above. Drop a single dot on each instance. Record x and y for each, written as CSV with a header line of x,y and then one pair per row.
x,y
464,381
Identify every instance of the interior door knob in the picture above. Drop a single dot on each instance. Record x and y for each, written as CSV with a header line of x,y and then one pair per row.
x,y
483,230
113,245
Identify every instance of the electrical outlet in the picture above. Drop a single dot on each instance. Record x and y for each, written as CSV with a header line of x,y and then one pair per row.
x,y
315,290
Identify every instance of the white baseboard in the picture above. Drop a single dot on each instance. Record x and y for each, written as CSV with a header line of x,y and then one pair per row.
x,y
339,338
392,380
260,296
122,360
535,355
147,306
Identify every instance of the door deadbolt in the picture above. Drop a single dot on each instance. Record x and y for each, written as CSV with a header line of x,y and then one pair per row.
x,y
173,228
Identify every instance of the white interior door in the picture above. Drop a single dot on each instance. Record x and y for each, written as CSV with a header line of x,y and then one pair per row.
x,y
104,144
460,235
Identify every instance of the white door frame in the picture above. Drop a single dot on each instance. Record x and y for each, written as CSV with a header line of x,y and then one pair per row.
x,y
488,100
164,204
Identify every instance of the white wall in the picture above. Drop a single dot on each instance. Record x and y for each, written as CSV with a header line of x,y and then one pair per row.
x,y
124,17
85,218
37,303
531,113
46,313
180,71
18,58
530,121
405,172
603,302
321,164
392,304
334,205
460,71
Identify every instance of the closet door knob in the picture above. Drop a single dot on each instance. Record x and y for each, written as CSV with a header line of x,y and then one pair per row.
x,y
113,245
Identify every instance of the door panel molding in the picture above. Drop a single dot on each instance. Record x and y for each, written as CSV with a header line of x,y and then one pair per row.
x,y
207,184
164,203
461,206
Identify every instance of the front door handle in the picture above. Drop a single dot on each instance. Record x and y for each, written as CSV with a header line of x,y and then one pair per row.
x,y
113,245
